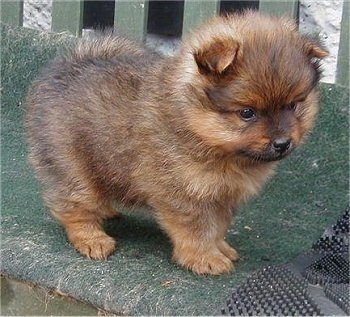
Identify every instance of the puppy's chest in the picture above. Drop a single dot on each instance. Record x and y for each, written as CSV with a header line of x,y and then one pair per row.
x,y
223,183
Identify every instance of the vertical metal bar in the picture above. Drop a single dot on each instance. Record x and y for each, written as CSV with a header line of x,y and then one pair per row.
x,y
67,16
279,8
12,12
342,76
195,12
130,18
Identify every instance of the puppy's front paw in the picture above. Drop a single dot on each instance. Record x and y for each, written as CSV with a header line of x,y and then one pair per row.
x,y
211,262
91,241
97,248
226,249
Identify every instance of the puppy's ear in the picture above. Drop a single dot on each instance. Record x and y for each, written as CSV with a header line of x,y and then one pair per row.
x,y
315,49
216,57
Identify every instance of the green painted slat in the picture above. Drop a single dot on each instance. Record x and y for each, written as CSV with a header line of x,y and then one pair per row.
x,y
283,7
342,77
67,16
130,18
12,12
196,12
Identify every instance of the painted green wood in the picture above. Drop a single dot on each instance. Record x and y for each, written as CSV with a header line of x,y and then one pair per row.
x,y
12,12
196,12
130,18
67,16
279,8
342,77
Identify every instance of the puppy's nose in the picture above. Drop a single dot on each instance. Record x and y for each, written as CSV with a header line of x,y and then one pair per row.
x,y
281,144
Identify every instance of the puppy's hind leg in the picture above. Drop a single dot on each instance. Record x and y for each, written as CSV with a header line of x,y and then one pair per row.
x,y
83,224
85,233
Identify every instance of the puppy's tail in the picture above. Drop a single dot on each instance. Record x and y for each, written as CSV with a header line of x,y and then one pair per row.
x,y
103,45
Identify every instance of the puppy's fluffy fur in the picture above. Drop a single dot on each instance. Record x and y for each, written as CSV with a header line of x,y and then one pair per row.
x,y
190,136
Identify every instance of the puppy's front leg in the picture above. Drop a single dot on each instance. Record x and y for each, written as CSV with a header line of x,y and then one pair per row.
x,y
198,237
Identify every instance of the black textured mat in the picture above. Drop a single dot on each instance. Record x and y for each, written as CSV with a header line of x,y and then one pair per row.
x,y
335,239
272,291
331,268
332,265
339,294
315,284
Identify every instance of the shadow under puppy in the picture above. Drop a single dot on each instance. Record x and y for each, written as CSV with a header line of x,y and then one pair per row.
x,y
190,136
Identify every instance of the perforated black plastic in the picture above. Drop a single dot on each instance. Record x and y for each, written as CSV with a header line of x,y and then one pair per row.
x,y
339,294
333,247
342,225
331,268
278,291
333,244
336,238
272,291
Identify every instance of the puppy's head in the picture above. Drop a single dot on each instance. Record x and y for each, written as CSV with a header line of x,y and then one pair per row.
x,y
253,83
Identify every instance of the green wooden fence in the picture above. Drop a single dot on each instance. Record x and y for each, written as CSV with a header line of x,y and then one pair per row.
x,y
130,18
343,54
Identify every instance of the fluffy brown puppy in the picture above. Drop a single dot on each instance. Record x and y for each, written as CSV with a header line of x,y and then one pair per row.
x,y
190,136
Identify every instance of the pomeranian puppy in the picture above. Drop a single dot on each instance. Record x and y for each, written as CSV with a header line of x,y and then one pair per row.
x,y
190,136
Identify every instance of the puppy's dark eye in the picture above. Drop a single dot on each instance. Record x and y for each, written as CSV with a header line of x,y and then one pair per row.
x,y
247,114
292,106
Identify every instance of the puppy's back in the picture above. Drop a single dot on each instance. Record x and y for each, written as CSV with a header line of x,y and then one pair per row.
x,y
82,103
